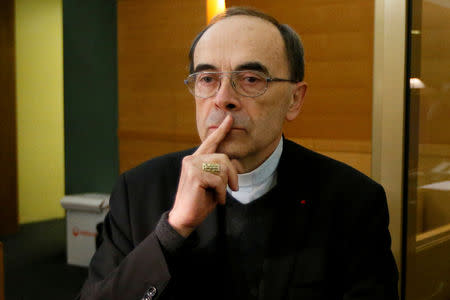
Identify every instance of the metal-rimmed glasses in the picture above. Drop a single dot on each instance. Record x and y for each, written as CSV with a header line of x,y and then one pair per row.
x,y
247,83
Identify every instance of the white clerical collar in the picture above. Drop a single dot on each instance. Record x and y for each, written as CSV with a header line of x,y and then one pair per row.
x,y
256,183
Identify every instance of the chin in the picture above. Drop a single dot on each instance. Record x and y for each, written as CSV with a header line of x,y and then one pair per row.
x,y
233,149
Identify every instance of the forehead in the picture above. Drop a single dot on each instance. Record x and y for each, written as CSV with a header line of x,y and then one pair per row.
x,y
241,39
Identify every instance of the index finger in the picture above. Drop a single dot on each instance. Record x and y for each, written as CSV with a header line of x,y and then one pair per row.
x,y
211,143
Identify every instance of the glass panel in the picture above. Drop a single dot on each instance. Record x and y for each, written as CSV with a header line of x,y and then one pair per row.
x,y
428,149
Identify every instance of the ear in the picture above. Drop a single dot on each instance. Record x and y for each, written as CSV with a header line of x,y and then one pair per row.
x,y
297,99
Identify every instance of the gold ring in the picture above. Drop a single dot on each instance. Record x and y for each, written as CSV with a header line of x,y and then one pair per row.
x,y
211,168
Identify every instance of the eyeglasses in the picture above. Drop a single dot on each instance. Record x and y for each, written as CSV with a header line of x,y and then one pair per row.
x,y
245,83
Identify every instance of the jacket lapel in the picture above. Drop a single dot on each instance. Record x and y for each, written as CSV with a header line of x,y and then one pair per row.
x,y
290,224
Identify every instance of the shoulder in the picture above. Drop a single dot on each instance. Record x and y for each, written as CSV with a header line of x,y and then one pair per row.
x,y
323,170
333,186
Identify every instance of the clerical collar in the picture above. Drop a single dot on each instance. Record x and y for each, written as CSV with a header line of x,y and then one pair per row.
x,y
258,182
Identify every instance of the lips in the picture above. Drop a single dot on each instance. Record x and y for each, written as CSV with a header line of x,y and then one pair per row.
x,y
232,128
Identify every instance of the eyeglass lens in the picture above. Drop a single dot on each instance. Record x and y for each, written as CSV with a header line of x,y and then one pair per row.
x,y
246,83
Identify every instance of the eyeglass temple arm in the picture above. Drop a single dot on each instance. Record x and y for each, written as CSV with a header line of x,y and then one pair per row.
x,y
281,79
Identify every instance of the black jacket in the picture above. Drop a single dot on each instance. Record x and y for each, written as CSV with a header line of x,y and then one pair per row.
x,y
330,240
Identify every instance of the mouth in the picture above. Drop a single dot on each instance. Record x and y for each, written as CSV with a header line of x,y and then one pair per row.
x,y
212,128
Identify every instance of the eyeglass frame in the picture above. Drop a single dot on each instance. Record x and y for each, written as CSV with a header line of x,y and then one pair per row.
x,y
266,77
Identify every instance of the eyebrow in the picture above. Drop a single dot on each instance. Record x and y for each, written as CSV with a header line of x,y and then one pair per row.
x,y
252,65
204,67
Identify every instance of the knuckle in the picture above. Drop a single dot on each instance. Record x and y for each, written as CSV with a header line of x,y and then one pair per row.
x,y
223,177
186,160
223,169
218,181
188,167
223,156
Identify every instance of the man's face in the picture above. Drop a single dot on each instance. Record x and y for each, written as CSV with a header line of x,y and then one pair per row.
x,y
237,43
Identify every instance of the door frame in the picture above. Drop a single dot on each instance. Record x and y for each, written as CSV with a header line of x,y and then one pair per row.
x,y
388,119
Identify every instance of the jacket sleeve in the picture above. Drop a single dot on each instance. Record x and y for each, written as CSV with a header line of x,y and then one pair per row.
x,y
119,269
370,271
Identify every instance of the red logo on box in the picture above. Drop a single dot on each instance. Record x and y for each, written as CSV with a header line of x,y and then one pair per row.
x,y
76,232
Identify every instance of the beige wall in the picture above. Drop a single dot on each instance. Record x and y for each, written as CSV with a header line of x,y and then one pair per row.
x,y
40,128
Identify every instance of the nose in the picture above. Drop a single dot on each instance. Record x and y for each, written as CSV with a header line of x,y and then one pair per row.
x,y
227,98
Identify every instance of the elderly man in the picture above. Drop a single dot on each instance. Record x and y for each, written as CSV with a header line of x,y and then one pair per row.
x,y
247,214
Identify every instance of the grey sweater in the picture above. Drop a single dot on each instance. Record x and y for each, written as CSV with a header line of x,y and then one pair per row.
x,y
236,256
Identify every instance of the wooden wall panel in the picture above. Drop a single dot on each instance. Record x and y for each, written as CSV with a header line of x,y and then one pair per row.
x,y
8,132
156,111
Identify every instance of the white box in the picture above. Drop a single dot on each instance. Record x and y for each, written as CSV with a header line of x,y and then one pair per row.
x,y
83,213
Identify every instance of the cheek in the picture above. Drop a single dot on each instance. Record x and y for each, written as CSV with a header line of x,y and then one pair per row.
x,y
201,114
270,117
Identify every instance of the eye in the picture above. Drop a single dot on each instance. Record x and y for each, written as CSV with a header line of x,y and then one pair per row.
x,y
206,79
250,78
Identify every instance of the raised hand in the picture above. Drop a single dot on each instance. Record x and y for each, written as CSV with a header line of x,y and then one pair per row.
x,y
200,191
